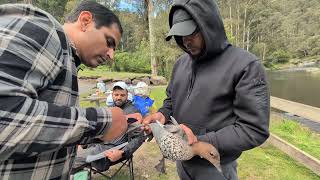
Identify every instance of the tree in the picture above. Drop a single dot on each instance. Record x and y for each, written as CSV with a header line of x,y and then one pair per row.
x,y
154,67
54,7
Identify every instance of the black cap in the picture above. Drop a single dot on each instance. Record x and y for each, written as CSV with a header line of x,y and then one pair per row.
x,y
183,25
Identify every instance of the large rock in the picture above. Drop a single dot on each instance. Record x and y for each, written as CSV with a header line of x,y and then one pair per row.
x,y
146,80
158,80
135,82
89,77
117,79
104,79
127,81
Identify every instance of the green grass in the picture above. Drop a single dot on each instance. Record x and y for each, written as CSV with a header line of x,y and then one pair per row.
x,y
267,162
297,135
103,72
158,94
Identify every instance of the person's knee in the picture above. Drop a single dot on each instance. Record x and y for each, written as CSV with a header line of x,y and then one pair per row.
x,y
119,124
119,120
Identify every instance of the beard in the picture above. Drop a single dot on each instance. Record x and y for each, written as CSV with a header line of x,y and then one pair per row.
x,y
119,103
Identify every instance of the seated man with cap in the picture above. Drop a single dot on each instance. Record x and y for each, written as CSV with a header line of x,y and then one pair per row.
x,y
122,98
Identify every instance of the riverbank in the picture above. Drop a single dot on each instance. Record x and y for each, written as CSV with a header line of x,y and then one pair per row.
x,y
311,70
308,64
108,77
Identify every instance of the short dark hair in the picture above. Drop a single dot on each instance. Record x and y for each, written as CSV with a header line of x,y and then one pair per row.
x,y
101,14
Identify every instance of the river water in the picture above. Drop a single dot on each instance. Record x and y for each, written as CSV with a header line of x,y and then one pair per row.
x,y
298,86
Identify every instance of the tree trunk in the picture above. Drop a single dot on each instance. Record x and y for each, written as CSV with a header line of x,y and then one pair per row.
x,y
230,17
264,52
154,67
248,39
146,13
244,28
238,25
28,1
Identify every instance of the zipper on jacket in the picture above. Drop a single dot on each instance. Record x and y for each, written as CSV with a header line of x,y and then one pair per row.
x,y
192,79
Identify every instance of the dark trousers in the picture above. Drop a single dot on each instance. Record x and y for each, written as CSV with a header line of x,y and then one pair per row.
x,y
200,169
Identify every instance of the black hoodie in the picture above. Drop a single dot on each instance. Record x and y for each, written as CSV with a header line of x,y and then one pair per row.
x,y
222,95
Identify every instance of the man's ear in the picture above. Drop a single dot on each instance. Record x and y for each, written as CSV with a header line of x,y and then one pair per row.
x,y
85,19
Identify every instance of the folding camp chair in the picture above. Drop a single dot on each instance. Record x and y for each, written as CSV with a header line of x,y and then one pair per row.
x,y
127,162
87,172
124,161
135,137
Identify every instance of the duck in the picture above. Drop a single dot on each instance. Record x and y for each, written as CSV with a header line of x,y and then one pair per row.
x,y
173,144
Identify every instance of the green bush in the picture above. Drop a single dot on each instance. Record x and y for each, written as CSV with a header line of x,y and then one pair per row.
x,y
137,61
268,64
280,56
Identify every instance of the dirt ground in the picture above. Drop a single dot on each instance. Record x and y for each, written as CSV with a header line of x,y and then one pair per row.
x,y
144,161
85,85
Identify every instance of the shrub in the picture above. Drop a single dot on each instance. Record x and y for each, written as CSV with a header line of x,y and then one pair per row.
x,y
280,56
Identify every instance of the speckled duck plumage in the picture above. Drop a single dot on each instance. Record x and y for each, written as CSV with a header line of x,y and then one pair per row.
x,y
173,144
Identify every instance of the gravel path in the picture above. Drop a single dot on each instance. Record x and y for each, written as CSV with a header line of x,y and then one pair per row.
x,y
85,86
315,126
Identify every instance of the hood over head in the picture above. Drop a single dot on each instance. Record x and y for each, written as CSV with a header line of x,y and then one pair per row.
x,y
205,14
182,24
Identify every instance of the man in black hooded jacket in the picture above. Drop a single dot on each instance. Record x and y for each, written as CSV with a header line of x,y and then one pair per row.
x,y
219,92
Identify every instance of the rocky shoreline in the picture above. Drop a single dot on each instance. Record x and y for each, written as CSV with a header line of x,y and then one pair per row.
x,y
306,69
308,66
149,80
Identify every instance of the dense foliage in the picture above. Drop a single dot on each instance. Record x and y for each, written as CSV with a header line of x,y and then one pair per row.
x,y
275,30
